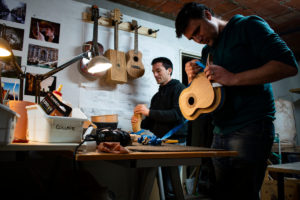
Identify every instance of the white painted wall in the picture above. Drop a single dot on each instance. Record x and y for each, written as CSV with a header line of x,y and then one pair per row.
x,y
97,97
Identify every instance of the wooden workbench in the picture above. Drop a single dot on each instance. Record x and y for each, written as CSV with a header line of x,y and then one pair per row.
x,y
147,162
144,159
281,170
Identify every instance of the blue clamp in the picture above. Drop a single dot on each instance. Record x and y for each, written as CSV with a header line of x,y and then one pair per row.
x,y
200,64
150,139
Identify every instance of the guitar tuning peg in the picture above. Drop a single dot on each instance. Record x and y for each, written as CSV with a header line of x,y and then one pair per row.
x,y
150,31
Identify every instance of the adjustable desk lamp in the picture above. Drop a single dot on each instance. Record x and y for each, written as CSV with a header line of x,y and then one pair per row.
x,y
95,64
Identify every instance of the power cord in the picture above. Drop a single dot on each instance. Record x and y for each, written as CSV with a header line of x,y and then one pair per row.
x,y
87,136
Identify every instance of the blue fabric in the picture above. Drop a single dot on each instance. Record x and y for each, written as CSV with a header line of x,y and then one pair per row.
x,y
174,130
241,177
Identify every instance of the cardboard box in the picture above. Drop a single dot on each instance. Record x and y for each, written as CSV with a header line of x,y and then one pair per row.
x,y
46,128
291,189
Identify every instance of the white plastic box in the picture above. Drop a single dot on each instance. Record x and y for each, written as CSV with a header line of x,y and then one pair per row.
x,y
46,128
8,119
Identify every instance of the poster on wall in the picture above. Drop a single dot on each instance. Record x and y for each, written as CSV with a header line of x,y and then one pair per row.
x,y
44,30
11,88
47,85
15,37
40,56
8,69
13,10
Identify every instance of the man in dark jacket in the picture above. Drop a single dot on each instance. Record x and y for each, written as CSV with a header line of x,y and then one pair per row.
x,y
247,55
164,112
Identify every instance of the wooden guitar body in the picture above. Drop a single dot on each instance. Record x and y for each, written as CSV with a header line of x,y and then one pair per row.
x,y
83,67
199,98
93,46
134,67
117,73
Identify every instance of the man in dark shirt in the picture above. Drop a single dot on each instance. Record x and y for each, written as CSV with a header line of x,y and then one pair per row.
x,y
164,112
247,56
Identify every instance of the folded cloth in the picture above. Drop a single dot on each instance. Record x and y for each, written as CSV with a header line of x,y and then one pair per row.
x,y
112,147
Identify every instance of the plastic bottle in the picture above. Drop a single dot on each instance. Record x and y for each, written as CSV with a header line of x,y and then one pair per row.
x,y
57,93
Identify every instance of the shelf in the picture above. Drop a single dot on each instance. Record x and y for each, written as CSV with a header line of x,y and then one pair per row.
x,y
124,26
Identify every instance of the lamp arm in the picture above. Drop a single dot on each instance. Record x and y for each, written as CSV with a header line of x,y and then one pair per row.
x,y
41,77
63,66
21,75
17,66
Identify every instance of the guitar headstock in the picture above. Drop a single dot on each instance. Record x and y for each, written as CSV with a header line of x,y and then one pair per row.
x,y
116,15
134,24
95,13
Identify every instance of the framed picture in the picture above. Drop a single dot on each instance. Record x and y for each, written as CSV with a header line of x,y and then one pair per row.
x,y
8,69
44,30
15,37
11,88
40,56
13,10
47,85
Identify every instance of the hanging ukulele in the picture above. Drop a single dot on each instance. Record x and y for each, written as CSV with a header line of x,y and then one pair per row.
x,y
134,66
117,73
93,45
200,97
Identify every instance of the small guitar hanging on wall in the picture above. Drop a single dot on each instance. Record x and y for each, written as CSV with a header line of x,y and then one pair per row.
x,y
93,45
134,66
117,73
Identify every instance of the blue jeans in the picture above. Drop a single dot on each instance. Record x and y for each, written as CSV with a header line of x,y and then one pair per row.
x,y
240,177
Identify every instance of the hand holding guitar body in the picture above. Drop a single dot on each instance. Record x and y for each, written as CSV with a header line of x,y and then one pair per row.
x,y
201,97
192,69
214,73
219,74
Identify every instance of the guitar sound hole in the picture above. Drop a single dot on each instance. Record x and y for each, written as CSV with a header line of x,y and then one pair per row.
x,y
191,101
135,58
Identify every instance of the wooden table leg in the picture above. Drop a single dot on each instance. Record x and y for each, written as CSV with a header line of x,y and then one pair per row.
x,y
280,186
176,183
148,175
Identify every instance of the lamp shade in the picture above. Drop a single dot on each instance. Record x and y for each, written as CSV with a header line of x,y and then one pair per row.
x,y
98,64
5,49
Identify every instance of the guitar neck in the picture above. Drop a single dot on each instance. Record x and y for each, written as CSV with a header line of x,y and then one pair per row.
x,y
136,46
116,35
95,16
